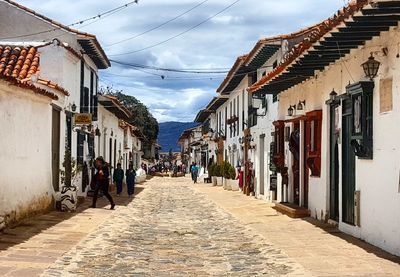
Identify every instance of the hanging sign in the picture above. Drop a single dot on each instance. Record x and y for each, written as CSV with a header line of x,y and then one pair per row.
x,y
83,118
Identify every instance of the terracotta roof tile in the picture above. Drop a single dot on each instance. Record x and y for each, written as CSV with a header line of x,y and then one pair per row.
x,y
18,64
314,36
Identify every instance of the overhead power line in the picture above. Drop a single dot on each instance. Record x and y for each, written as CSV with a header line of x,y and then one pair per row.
x,y
79,22
203,71
179,34
160,25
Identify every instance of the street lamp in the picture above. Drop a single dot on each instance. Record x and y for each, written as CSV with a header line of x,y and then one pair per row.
x,y
371,67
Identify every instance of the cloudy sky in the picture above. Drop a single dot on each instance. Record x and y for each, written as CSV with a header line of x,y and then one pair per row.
x,y
213,45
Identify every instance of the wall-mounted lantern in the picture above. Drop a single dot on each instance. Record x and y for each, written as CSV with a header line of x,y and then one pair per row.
x,y
333,95
300,105
73,107
371,67
291,110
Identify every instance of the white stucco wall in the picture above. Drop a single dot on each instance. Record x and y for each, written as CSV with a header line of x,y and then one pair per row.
x,y
25,152
377,179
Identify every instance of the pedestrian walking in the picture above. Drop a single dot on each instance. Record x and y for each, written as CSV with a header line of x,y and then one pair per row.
x,y
191,170
195,173
130,180
101,179
118,178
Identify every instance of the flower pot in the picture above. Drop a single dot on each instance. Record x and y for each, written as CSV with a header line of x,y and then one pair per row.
x,y
69,198
229,184
224,181
219,181
234,184
214,180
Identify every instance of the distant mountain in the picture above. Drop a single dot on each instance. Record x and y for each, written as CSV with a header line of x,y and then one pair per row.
x,y
169,134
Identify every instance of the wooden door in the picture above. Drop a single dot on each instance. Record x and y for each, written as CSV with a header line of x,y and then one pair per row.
x,y
294,146
262,163
348,165
55,149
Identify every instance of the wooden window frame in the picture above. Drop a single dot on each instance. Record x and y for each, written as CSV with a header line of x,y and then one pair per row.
x,y
313,129
362,141
279,145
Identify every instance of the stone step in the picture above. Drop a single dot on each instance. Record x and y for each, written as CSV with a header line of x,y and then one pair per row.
x,y
292,210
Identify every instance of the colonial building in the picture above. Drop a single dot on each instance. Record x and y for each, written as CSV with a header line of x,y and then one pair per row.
x,y
339,145
44,54
25,152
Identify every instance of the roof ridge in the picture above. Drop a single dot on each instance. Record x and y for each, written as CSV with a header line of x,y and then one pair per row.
x,y
54,22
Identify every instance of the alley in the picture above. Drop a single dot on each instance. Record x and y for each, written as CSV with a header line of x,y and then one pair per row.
x,y
169,229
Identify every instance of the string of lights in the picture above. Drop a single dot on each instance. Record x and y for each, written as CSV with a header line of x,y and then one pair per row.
x,y
179,34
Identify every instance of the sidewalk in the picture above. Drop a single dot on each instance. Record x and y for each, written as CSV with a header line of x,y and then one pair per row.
x,y
319,248
29,248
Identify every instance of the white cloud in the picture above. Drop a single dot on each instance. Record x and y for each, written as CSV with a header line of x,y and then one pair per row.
x,y
215,44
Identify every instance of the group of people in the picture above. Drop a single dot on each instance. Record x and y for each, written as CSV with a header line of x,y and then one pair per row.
x,y
101,181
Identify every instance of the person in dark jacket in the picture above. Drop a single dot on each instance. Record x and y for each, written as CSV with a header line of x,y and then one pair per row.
x,y
101,180
118,178
130,180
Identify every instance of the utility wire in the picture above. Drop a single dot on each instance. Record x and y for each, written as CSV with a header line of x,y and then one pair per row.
x,y
169,69
99,16
179,34
160,25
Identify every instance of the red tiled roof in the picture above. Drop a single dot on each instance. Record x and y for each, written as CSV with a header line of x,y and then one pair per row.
x,y
18,64
279,38
317,33
238,63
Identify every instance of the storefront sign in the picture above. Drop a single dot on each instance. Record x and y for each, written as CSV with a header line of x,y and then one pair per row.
x,y
83,118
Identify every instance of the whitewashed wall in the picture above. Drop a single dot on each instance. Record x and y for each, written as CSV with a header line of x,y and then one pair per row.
x,y
25,152
377,179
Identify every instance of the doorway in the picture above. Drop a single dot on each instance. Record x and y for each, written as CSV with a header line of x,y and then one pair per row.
x,y
261,164
55,148
294,147
348,164
334,164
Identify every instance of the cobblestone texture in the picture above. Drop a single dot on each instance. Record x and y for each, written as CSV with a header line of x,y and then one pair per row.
x,y
172,230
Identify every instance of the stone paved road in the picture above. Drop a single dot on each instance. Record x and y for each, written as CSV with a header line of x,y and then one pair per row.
x,y
172,230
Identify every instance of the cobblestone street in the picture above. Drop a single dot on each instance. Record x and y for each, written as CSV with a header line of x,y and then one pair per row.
x,y
171,230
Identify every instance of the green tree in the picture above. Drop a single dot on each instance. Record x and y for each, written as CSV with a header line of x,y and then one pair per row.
x,y
141,117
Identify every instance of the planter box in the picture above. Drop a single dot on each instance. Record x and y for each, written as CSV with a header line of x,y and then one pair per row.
x,y
234,184
69,198
214,180
219,181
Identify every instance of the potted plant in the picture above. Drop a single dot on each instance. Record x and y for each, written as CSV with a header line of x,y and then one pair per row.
x,y
211,173
225,167
218,174
233,182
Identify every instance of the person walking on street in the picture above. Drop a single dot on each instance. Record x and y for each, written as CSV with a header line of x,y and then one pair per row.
x,y
191,170
130,180
195,172
101,179
118,178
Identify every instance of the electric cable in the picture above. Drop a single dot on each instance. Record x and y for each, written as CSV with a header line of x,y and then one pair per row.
x,y
99,16
179,34
158,26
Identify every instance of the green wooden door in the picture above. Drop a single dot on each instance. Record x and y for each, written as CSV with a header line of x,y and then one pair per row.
x,y
348,165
